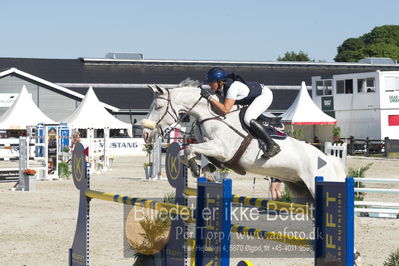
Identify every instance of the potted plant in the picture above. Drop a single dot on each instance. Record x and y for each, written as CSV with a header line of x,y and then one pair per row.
x,y
63,170
336,134
29,179
99,166
148,166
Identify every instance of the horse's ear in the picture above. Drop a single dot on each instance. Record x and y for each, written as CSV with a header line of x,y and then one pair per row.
x,y
160,89
152,88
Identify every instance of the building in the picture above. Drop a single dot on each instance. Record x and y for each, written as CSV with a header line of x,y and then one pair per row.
x,y
58,85
364,104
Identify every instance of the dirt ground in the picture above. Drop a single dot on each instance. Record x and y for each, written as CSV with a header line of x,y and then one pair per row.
x,y
37,228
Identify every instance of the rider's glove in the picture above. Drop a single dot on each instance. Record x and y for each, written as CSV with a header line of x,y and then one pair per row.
x,y
207,94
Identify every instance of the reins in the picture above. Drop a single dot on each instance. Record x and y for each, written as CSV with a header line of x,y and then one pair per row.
x,y
177,119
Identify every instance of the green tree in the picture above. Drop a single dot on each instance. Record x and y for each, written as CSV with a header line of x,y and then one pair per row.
x,y
382,41
293,56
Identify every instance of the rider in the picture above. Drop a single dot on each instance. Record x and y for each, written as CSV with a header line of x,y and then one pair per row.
x,y
235,91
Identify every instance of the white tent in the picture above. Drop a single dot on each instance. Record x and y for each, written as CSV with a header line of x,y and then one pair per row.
x,y
304,111
92,114
24,112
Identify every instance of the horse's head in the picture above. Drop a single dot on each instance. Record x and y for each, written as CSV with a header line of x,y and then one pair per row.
x,y
167,106
162,114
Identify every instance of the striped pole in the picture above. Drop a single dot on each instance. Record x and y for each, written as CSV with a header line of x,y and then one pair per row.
x,y
184,211
262,203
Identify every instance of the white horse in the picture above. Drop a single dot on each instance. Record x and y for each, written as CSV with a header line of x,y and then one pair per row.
x,y
297,164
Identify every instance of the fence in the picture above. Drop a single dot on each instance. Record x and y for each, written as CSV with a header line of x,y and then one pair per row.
x,y
369,146
336,150
374,208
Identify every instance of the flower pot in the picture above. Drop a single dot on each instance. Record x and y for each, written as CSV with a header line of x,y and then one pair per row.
x,y
65,156
30,182
148,172
110,162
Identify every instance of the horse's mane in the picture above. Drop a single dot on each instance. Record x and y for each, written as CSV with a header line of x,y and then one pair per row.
x,y
188,82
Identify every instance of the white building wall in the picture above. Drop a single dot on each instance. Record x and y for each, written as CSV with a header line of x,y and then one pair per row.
x,y
359,123
365,113
53,104
389,102
356,100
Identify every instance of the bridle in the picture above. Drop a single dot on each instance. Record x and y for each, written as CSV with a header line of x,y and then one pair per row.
x,y
172,112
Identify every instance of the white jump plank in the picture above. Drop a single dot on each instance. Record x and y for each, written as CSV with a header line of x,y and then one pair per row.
x,y
377,190
371,210
377,180
382,204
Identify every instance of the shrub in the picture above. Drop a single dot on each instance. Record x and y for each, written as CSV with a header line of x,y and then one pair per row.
x,y
360,173
393,259
63,170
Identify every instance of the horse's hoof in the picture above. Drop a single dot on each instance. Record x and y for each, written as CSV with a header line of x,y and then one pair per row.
x,y
195,171
210,179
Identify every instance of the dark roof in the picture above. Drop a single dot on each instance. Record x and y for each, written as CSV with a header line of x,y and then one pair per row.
x,y
90,71
123,98
141,98
172,72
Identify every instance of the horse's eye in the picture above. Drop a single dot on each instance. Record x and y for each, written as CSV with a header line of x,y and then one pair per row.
x,y
157,107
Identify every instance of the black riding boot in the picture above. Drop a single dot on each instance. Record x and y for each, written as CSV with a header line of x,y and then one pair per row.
x,y
267,144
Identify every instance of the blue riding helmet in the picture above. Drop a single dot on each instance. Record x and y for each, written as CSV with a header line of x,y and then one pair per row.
x,y
215,74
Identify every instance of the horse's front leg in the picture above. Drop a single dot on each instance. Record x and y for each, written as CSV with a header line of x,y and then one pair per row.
x,y
209,149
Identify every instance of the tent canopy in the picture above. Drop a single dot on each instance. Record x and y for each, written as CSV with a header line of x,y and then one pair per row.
x,y
24,112
304,111
92,114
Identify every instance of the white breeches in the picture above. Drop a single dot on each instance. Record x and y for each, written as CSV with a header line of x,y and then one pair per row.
x,y
259,105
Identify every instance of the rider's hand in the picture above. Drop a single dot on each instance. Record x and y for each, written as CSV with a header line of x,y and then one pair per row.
x,y
207,94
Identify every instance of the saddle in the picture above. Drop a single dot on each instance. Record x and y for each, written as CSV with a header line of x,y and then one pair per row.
x,y
271,125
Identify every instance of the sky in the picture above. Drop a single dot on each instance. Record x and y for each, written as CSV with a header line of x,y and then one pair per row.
x,y
199,30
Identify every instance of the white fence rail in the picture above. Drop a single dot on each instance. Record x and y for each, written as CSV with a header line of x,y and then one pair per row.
x,y
377,209
339,151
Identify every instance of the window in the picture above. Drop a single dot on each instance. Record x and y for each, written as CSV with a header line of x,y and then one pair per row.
x,y
328,87
348,86
340,86
319,87
365,85
345,86
324,87
83,133
118,133
392,84
99,133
